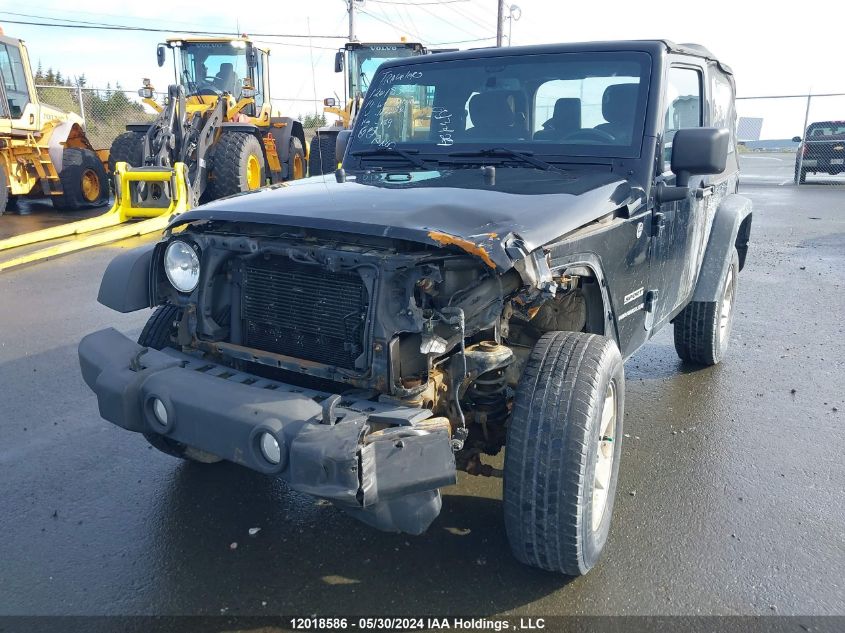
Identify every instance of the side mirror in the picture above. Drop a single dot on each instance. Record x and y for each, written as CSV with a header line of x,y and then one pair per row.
x,y
338,62
329,102
161,55
796,139
340,144
697,150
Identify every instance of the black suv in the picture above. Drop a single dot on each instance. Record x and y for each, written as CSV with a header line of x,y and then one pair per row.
x,y
822,151
508,226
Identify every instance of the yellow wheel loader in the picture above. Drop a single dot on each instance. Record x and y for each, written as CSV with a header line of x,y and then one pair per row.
x,y
218,120
215,135
360,62
43,151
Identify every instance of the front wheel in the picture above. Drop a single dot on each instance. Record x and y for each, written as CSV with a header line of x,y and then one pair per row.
x,y
158,333
84,180
238,165
562,452
703,328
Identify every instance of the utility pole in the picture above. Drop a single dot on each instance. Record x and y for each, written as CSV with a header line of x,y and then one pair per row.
x,y
351,9
500,22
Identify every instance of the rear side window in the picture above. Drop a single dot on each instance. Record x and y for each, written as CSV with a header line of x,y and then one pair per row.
x,y
683,105
724,112
834,128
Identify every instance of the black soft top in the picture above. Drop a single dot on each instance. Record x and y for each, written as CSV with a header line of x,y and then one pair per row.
x,y
653,47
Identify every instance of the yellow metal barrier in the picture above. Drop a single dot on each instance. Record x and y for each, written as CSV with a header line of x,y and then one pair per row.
x,y
126,207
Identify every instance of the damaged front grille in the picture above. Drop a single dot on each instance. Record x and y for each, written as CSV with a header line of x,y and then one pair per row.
x,y
304,311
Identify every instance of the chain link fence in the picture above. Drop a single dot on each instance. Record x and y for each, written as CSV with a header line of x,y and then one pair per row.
x,y
106,111
792,139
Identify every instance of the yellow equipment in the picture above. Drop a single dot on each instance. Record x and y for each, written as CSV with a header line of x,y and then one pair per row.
x,y
154,209
360,62
218,119
43,151
215,135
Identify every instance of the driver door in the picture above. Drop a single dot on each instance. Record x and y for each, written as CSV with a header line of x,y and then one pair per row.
x,y
678,226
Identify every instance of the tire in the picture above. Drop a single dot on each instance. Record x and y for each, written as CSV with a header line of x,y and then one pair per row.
x,y
158,334
296,156
703,328
234,170
552,452
322,158
800,180
127,148
84,181
4,191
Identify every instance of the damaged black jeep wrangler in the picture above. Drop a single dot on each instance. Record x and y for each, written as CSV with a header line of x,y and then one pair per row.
x,y
508,226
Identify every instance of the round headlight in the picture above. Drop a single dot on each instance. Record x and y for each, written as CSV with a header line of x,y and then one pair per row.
x,y
270,448
182,266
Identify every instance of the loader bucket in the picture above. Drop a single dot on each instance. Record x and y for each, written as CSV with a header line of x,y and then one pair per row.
x,y
152,195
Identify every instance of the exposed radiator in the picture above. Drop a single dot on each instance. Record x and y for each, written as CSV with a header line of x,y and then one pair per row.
x,y
304,311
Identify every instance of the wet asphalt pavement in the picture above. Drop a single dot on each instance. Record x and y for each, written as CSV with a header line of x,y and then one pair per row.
x,y
731,494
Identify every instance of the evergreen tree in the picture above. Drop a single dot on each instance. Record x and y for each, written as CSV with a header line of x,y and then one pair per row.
x,y
50,78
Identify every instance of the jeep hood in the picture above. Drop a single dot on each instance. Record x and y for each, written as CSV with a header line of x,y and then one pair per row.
x,y
524,208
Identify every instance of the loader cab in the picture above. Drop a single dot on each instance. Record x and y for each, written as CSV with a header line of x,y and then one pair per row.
x,y
18,101
213,67
362,61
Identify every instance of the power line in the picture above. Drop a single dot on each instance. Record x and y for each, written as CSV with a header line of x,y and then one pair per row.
x,y
478,39
455,26
145,29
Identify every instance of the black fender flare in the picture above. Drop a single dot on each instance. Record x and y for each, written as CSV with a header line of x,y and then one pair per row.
x,y
125,286
138,127
731,230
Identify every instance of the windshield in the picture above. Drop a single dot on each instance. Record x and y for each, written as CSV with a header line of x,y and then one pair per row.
x,y
569,104
364,62
213,67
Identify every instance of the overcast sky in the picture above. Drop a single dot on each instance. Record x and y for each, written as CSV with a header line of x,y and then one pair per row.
x,y
774,48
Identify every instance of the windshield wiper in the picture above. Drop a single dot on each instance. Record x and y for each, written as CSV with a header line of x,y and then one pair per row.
x,y
407,154
504,152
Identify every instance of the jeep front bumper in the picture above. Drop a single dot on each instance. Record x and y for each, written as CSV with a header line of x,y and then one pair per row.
x,y
389,480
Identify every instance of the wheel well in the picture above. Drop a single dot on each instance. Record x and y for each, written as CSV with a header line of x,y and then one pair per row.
x,y
742,238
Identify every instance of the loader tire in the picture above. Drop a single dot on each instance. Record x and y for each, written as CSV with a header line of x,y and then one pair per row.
x,y
84,181
296,156
562,452
322,158
158,334
4,191
238,165
127,148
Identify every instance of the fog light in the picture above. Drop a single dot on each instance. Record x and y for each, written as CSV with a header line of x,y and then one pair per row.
x,y
160,411
270,448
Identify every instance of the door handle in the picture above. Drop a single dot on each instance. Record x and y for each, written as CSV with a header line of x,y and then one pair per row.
x,y
31,119
704,192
